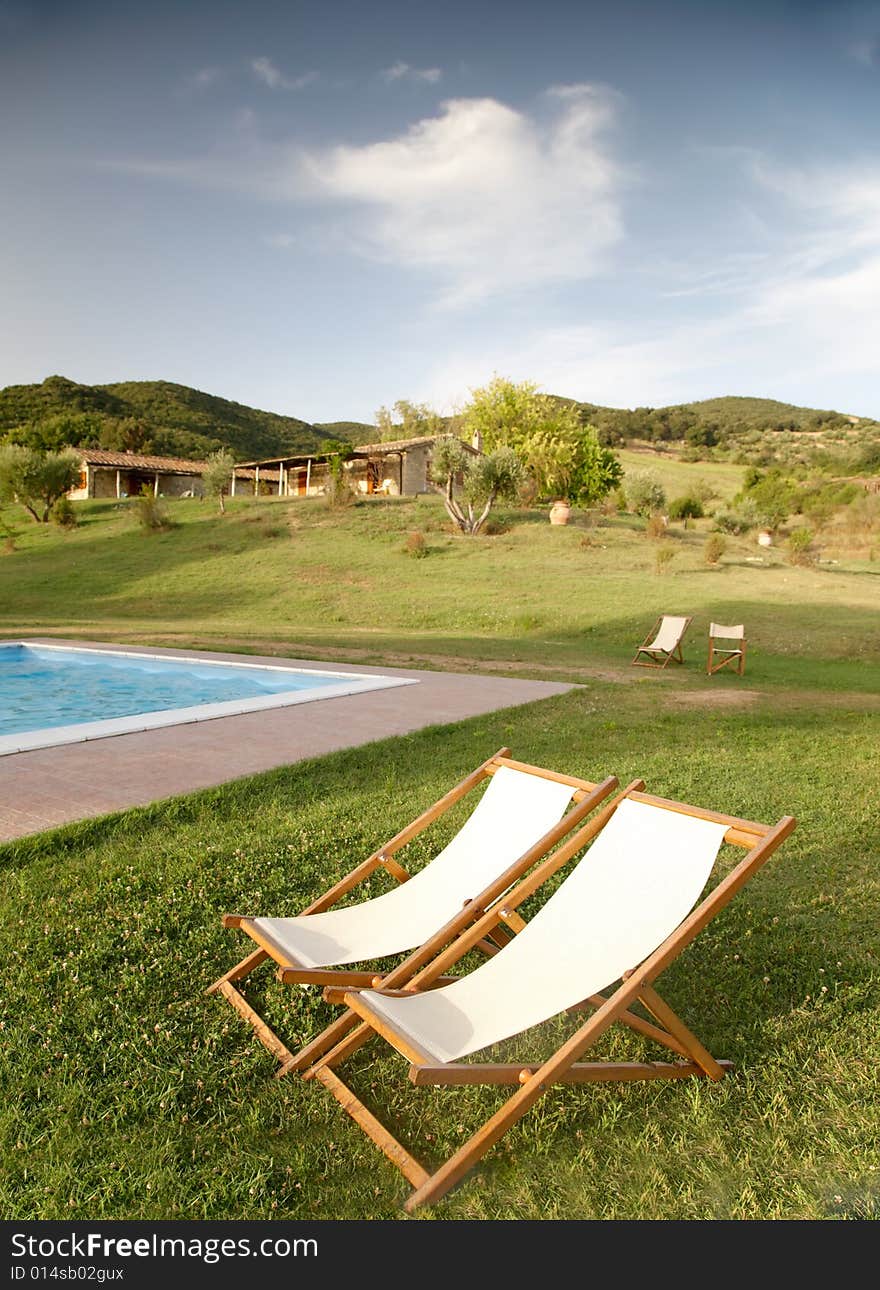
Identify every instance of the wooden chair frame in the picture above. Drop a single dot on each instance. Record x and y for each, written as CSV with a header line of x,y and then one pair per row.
x,y
666,656
564,1067
726,656
586,797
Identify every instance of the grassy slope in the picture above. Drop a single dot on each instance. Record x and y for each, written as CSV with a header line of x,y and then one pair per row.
x,y
130,1095
677,477
295,576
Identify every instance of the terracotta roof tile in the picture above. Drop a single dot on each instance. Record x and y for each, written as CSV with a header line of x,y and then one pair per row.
x,y
137,461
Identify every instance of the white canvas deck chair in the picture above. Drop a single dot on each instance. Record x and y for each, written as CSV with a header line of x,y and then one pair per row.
x,y
520,817
663,642
623,915
723,655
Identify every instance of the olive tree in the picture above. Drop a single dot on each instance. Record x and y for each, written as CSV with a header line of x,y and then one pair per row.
x,y
217,475
484,479
36,480
644,493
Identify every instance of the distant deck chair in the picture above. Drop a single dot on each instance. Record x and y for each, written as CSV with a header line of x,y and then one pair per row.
x,y
623,915
520,817
722,655
663,642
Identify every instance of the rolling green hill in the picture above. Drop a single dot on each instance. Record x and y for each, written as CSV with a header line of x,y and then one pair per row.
x,y
721,421
162,417
158,416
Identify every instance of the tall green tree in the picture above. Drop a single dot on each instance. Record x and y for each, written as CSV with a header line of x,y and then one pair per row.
x,y
408,421
504,413
562,454
36,479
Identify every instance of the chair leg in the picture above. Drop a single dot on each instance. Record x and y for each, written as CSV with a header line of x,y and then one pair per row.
x,y
676,1027
374,1129
240,971
261,1029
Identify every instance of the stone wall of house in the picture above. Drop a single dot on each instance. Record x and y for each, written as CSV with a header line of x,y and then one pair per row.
x,y
177,485
102,483
415,470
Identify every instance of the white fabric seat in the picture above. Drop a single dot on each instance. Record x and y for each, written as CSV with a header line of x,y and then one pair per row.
x,y
514,813
669,634
632,888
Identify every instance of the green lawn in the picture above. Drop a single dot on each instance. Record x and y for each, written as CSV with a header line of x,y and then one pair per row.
x,y
293,576
127,1093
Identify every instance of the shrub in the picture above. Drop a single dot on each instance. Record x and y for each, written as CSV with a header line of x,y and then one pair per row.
x,y
655,527
773,496
800,547
415,545
64,513
644,493
703,490
663,557
714,549
739,520
151,512
686,508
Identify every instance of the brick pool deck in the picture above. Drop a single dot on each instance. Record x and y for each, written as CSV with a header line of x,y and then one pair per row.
x,y
52,786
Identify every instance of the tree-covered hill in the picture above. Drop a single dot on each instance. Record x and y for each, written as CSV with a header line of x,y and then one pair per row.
x,y
158,416
716,421
174,420
762,432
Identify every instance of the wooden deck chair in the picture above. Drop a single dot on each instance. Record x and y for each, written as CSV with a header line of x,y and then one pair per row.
x,y
663,642
623,915
722,655
519,818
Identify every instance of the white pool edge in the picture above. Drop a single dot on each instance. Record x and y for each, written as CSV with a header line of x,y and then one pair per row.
x,y
83,732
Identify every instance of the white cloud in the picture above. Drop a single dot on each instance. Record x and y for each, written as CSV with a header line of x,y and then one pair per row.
x,y
401,71
270,75
797,319
486,197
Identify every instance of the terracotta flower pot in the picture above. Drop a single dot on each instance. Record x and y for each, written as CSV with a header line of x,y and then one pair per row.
x,y
560,512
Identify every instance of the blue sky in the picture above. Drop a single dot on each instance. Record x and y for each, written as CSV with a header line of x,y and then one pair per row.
x,y
318,208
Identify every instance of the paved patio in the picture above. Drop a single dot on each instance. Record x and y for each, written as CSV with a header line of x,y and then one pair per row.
x,y
52,786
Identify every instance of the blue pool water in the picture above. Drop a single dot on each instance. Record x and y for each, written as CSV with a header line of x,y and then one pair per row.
x,y
44,688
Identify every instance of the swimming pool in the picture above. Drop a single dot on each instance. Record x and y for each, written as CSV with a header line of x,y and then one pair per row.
x,y
56,694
